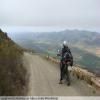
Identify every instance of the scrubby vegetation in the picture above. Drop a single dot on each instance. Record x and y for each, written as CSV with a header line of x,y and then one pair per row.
x,y
12,73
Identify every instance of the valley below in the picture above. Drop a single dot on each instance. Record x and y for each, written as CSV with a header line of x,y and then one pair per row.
x,y
84,45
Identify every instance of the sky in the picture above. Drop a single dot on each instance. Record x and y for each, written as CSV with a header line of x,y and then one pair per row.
x,y
50,14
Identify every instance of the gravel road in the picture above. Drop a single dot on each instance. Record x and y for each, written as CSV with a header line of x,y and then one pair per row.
x,y
44,79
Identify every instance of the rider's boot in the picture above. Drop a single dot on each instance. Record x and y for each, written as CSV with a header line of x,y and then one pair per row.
x,y
60,82
68,83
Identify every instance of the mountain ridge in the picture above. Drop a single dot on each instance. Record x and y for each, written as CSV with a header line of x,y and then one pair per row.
x,y
81,43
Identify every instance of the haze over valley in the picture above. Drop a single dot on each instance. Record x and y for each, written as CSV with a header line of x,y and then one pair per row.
x,y
85,45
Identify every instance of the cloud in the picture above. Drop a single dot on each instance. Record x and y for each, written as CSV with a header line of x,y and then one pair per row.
x,y
70,13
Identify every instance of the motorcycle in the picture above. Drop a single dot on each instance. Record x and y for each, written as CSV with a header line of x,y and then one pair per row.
x,y
66,69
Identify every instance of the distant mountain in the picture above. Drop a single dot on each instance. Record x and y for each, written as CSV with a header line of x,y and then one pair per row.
x,y
73,36
85,38
83,45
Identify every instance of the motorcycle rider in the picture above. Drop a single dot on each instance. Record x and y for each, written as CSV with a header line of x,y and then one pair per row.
x,y
65,50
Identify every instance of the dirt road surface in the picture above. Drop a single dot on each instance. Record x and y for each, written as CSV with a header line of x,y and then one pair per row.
x,y
44,79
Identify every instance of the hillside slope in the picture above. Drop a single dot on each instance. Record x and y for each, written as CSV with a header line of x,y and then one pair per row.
x,y
12,72
85,45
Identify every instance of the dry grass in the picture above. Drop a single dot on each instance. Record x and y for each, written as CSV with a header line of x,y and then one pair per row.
x,y
98,51
12,73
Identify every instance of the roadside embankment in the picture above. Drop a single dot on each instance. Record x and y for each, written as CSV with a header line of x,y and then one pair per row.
x,y
12,72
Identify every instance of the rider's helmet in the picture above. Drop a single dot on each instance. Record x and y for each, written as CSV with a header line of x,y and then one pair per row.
x,y
64,43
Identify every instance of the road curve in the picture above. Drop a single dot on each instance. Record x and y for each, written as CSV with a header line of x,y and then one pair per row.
x,y
44,79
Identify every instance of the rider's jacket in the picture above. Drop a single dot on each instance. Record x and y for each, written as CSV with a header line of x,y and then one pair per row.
x,y
64,50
